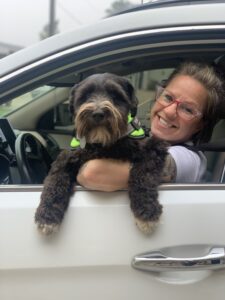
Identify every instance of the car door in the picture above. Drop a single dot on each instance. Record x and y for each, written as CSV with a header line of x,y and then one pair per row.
x,y
99,252
93,253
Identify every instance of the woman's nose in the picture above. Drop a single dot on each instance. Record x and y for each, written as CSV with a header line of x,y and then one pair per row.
x,y
171,110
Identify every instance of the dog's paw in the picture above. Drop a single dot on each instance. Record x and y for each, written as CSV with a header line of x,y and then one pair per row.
x,y
147,227
47,229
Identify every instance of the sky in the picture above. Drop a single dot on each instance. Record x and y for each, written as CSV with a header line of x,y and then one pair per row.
x,y
21,21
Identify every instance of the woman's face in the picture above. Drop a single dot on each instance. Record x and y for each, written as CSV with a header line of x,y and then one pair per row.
x,y
166,123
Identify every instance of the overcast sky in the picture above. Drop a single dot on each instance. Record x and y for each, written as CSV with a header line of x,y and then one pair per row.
x,y
21,21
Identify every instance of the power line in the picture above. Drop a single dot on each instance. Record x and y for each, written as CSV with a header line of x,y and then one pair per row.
x,y
91,5
69,14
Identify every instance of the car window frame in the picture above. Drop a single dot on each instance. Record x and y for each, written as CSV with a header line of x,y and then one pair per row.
x,y
115,48
173,42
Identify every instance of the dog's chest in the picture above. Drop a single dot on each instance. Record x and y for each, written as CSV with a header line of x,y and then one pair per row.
x,y
126,149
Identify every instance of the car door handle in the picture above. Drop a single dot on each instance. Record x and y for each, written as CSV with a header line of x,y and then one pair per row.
x,y
157,261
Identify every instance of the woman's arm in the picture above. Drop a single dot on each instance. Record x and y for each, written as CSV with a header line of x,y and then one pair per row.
x,y
110,175
170,170
104,175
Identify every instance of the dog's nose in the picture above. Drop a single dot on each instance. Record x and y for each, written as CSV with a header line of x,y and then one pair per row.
x,y
98,116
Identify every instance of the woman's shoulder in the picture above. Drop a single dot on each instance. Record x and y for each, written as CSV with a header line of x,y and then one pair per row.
x,y
191,165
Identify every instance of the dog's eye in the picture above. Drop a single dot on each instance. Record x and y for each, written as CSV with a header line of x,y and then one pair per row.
x,y
84,98
85,93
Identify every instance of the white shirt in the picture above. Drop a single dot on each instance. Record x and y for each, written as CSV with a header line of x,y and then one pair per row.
x,y
191,166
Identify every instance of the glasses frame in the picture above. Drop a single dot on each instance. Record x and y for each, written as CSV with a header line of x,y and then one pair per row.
x,y
159,91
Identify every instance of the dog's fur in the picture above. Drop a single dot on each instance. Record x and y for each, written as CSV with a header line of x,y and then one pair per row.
x,y
100,105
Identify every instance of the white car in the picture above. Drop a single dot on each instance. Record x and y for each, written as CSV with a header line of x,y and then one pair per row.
x,y
99,253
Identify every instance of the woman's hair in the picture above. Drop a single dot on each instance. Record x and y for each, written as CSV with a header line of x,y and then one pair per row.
x,y
212,79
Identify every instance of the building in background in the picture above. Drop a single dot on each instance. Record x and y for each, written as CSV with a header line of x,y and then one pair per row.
x,y
6,49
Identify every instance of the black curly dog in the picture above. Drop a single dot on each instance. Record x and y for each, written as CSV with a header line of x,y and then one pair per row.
x,y
101,105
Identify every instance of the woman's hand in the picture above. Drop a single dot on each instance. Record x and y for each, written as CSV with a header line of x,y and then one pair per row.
x,y
106,175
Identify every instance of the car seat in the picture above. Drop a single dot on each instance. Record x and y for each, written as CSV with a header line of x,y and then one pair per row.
x,y
215,154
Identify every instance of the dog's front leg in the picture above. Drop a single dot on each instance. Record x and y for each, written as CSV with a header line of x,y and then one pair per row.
x,y
58,187
143,193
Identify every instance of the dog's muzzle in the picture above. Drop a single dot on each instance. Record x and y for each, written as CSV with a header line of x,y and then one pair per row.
x,y
98,116
100,122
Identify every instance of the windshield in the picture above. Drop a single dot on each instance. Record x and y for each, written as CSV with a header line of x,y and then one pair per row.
x,y
19,102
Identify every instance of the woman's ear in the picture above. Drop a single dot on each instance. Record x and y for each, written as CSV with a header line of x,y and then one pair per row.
x,y
200,126
198,129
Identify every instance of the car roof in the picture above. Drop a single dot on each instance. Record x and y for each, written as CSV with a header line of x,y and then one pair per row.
x,y
161,17
151,4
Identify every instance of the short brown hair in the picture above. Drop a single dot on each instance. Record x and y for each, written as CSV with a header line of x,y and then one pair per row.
x,y
212,79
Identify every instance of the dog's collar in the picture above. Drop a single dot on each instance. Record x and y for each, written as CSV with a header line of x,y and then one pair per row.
x,y
75,143
135,131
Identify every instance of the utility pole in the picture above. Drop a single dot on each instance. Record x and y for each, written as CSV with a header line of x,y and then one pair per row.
x,y
52,18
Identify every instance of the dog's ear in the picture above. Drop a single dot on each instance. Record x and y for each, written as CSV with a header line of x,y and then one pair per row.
x,y
134,104
134,100
71,99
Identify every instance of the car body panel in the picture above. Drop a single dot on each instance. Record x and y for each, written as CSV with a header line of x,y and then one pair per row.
x,y
92,252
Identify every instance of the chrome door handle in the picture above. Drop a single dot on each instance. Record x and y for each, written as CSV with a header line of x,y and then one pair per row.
x,y
157,261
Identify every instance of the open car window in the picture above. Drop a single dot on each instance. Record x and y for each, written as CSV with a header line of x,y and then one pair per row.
x,y
53,120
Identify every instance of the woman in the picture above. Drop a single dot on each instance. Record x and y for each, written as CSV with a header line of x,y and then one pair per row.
x,y
186,109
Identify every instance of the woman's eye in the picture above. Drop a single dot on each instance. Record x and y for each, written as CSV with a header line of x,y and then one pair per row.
x,y
168,98
188,110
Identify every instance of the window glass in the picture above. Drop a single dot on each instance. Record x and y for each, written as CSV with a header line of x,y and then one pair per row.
x,y
144,83
21,101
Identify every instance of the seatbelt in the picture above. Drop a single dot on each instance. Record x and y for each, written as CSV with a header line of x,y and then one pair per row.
x,y
215,146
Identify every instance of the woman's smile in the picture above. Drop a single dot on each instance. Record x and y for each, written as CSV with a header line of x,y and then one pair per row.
x,y
165,123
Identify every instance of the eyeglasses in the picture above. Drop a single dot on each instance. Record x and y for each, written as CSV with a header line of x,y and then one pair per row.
x,y
185,110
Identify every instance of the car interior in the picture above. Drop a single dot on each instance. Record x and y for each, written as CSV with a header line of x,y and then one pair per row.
x,y
36,126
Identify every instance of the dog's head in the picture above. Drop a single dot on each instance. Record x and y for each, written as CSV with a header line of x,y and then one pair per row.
x,y
100,105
